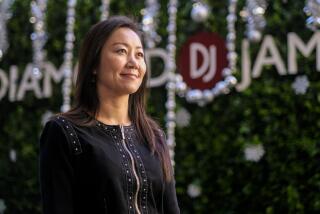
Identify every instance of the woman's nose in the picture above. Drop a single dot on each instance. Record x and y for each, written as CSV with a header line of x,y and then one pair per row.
x,y
132,62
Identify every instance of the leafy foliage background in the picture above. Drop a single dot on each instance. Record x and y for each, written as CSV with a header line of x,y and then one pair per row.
x,y
209,151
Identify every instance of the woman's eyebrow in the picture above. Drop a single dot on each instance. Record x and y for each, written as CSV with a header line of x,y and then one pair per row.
x,y
125,44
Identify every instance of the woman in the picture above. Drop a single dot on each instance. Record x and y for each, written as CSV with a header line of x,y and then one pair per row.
x,y
106,155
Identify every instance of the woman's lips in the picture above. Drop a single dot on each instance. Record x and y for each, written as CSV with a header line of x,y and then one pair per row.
x,y
130,75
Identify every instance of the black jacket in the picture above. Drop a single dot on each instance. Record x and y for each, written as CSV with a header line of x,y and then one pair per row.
x,y
92,170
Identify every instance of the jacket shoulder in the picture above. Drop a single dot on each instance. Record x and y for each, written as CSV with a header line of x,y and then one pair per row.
x,y
67,127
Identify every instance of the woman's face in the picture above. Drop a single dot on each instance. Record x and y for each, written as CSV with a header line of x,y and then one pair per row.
x,y
122,65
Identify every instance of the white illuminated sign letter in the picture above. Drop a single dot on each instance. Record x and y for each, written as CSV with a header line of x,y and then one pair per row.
x,y
294,43
3,84
209,62
268,45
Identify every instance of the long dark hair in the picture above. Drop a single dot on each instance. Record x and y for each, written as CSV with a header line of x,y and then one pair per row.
x,y
86,97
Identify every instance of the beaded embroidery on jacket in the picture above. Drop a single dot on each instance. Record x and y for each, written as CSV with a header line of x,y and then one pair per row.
x,y
135,177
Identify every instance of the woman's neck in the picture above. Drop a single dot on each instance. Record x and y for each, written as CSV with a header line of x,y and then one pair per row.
x,y
114,111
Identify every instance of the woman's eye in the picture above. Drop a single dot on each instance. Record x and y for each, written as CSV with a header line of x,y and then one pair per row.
x,y
121,51
140,54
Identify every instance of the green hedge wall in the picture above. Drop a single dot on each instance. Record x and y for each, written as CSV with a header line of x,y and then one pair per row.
x,y
210,151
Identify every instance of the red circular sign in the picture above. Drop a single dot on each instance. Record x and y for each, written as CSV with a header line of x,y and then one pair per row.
x,y
202,59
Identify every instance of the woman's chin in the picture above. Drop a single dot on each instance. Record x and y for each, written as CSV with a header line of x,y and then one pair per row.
x,y
130,90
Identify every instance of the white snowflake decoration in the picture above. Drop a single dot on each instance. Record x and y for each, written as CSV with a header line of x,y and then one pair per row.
x,y
300,84
254,152
45,117
13,155
2,206
183,117
194,190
